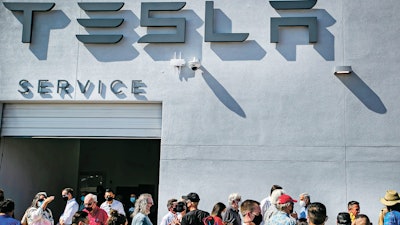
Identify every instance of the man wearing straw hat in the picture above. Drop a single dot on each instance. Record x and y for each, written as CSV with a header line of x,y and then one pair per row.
x,y
392,203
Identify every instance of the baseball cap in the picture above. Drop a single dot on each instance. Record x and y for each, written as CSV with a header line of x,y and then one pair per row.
x,y
283,199
192,197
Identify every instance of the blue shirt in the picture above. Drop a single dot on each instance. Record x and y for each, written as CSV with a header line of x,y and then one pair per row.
x,y
141,219
8,220
303,213
392,218
280,218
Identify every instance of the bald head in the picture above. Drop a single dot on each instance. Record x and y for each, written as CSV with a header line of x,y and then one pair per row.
x,y
361,219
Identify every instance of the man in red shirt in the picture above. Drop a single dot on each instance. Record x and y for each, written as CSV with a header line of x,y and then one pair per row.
x,y
96,215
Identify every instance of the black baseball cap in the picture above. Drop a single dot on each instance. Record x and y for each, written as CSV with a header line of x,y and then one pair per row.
x,y
193,197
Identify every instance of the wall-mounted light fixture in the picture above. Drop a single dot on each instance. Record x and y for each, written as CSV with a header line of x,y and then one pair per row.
x,y
178,63
343,70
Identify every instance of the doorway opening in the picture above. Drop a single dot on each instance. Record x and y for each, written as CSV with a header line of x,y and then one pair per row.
x,y
127,166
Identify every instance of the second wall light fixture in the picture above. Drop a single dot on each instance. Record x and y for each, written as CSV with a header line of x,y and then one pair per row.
x,y
343,70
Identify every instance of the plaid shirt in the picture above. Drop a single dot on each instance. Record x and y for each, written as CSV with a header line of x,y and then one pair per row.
x,y
281,218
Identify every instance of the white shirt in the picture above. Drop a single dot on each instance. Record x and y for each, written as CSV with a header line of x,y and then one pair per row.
x,y
115,204
265,204
167,219
70,209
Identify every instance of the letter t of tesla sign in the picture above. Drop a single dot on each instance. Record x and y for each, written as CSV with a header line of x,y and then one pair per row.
x,y
310,22
27,9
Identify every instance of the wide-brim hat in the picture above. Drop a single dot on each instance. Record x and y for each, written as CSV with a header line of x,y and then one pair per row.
x,y
391,198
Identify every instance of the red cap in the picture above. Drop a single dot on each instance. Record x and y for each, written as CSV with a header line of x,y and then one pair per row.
x,y
283,199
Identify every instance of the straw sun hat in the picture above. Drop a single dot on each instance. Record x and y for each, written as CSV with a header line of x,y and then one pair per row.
x,y
391,198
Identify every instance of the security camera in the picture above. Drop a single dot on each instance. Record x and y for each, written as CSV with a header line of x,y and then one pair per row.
x,y
194,64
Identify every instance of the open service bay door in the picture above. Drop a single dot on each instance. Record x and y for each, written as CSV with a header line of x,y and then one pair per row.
x,y
131,120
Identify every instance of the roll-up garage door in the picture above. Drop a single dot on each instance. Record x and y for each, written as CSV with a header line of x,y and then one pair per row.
x,y
82,120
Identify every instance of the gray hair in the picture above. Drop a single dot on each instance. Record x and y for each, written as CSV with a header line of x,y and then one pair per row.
x,y
282,207
305,195
91,196
232,197
36,198
275,195
141,204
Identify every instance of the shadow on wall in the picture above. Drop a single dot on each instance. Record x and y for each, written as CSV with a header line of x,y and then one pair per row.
x,y
123,50
222,94
55,19
247,50
191,47
325,45
364,93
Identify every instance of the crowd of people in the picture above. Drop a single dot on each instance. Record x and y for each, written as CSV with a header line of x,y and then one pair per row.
x,y
89,212
275,209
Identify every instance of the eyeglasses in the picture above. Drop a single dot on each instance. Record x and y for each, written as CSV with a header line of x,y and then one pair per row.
x,y
88,204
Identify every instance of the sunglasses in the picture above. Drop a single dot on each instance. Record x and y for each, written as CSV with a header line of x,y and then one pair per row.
x,y
88,204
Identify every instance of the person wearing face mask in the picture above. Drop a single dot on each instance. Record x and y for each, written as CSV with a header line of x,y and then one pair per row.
x,y
39,213
70,208
266,202
96,215
111,203
193,216
249,210
258,219
304,203
171,215
180,212
284,205
272,209
132,201
81,205
231,216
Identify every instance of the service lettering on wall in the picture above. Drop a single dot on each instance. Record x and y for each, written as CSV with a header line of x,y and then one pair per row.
x,y
147,19
87,88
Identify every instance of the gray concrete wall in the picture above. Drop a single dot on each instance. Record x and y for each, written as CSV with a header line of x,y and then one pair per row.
x,y
261,113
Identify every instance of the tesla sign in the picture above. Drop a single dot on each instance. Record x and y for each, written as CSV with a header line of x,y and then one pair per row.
x,y
147,19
